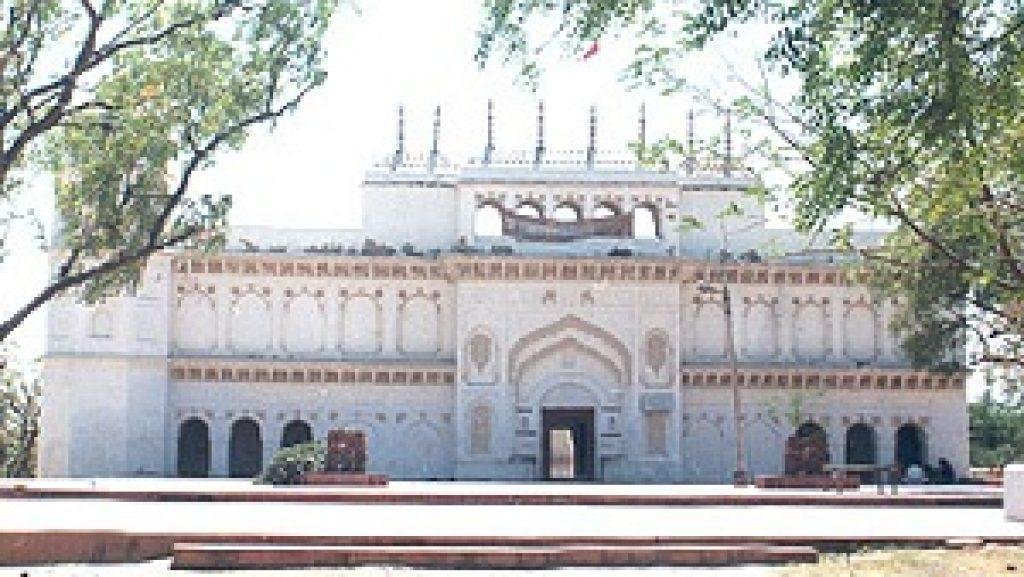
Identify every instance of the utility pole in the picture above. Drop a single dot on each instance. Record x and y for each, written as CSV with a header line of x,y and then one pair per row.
x,y
740,478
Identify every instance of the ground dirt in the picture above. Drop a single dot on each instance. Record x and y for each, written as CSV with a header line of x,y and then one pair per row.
x,y
977,562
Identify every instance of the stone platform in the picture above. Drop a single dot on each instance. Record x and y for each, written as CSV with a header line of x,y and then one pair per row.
x,y
233,557
331,479
463,493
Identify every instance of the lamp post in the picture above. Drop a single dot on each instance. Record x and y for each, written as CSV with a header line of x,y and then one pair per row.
x,y
739,474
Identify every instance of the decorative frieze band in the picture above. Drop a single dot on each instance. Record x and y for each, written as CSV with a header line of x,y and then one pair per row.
x,y
816,378
510,268
354,373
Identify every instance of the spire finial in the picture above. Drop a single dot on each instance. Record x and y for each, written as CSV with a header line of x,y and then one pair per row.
x,y
538,157
489,149
727,165
434,150
400,145
642,135
592,141
691,159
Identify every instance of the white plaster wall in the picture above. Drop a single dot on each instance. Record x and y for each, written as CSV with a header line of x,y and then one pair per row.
x,y
104,379
103,416
423,216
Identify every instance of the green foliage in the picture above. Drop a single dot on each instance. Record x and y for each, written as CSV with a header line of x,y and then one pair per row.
x,y
288,464
997,432
19,422
905,111
124,102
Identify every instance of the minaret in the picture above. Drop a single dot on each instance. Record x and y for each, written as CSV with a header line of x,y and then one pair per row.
x,y
400,146
727,165
434,150
641,135
592,141
538,156
691,159
489,149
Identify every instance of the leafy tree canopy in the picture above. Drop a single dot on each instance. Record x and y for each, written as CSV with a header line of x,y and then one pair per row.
x,y
124,102
909,112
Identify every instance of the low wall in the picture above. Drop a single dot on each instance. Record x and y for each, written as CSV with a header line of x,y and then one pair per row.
x,y
1013,492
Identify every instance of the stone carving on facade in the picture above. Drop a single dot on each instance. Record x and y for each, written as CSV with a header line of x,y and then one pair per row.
x,y
708,329
480,355
480,429
303,321
249,327
811,329
361,322
658,366
570,335
760,328
196,319
861,330
419,322
101,323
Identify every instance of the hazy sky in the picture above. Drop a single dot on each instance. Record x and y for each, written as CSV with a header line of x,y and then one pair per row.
x,y
306,173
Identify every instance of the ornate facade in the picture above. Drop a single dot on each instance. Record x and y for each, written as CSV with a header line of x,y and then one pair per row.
x,y
464,352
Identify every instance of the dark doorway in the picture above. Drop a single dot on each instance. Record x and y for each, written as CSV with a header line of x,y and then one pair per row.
x,y
860,448
296,432
568,444
194,449
910,446
860,445
245,449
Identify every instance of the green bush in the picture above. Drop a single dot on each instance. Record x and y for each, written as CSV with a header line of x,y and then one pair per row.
x,y
290,463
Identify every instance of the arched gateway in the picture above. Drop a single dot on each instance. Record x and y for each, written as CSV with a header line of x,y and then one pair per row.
x,y
569,372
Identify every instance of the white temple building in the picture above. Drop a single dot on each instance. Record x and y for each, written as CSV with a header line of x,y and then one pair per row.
x,y
532,316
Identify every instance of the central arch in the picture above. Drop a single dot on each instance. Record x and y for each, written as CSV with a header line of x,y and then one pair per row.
x,y
572,339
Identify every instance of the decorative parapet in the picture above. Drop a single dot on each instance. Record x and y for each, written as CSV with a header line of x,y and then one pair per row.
x,y
819,378
315,372
511,268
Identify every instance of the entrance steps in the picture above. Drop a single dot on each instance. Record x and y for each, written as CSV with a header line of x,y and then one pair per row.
x,y
210,556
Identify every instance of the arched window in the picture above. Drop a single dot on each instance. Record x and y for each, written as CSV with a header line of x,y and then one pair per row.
x,y
806,450
245,449
101,324
193,448
296,432
810,430
911,446
645,222
487,221
860,445
566,213
605,210
529,209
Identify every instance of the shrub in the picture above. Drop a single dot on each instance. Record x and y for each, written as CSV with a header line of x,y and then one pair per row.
x,y
288,464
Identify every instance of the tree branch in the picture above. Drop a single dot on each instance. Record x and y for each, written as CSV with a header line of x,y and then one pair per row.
x,y
71,280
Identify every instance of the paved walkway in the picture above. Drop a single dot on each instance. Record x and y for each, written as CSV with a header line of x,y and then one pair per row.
x,y
498,520
162,569
467,487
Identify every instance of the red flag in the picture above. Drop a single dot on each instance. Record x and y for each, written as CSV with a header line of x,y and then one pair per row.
x,y
591,51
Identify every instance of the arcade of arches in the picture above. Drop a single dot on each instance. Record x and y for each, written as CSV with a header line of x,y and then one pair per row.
x,y
245,451
488,218
807,450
